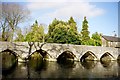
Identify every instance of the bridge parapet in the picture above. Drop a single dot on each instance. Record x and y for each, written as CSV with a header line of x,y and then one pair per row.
x,y
24,49
79,50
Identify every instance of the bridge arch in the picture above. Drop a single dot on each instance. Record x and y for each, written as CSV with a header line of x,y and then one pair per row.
x,y
106,60
9,52
66,55
106,56
36,59
9,59
89,55
42,53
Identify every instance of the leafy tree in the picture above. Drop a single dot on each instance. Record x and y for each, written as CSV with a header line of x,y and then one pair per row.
x,y
49,36
52,26
59,34
97,39
85,33
73,37
36,34
62,32
72,23
29,37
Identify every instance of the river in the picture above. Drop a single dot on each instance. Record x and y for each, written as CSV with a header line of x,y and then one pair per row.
x,y
68,69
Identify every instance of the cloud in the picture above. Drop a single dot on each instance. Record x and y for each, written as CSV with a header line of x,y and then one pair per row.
x,y
67,9
42,5
77,10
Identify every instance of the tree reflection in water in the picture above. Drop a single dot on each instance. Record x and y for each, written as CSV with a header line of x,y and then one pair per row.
x,y
88,64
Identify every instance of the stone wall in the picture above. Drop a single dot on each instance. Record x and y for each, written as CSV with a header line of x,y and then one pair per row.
x,y
24,49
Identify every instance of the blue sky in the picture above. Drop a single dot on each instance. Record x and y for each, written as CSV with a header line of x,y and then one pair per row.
x,y
102,16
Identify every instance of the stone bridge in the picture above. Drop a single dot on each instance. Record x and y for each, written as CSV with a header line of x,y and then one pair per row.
x,y
53,50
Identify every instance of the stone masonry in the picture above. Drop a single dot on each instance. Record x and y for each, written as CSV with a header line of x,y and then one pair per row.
x,y
24,49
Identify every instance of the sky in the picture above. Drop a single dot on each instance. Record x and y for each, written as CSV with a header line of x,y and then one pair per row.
x,y
102,15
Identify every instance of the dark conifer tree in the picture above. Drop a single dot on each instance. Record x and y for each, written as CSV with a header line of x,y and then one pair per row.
x,y
85,33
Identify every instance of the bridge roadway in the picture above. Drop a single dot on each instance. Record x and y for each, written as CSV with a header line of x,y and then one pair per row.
x,y
24,49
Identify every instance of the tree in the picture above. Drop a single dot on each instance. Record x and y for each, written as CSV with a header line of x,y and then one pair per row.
x,y
52,26
97,39
62,32
85,33
72,23
12,14
36,34
20,36
5,30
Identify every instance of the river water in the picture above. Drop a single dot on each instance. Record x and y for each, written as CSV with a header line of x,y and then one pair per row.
x,y
70,69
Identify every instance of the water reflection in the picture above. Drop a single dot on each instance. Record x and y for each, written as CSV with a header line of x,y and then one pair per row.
x,y
89,64
118,62
35,61
118,67
34,69
67,64
35,64
107,63
38,65
20,71
66,69
10,70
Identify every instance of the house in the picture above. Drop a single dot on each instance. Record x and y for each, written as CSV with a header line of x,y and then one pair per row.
x,y
110,41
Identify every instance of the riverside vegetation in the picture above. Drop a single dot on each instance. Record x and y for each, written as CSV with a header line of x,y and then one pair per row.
x,y
58,31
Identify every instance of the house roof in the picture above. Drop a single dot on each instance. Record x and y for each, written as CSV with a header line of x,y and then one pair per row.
x,y
111,38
